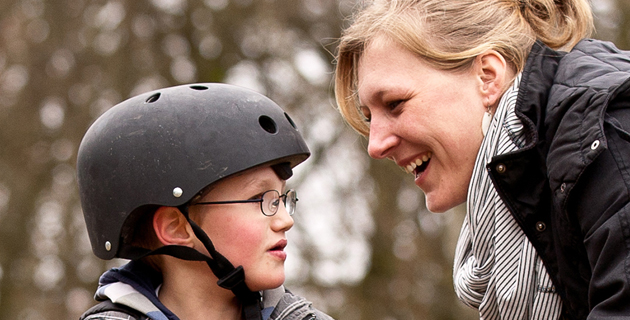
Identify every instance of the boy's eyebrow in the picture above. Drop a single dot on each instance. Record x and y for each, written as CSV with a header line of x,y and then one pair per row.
x,y
263,183
250,182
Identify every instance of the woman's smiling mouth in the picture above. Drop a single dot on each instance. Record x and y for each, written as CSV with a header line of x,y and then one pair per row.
x,y
417,166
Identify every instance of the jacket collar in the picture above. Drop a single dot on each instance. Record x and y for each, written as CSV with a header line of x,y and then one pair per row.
x,y
135,285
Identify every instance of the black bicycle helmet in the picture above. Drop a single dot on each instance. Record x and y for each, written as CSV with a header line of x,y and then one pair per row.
x,y
163,147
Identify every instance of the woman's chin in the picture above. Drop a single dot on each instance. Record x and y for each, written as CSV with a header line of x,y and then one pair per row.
x,y
433,209
437,204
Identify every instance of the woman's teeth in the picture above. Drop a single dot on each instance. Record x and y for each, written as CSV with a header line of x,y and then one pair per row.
x,y
410,168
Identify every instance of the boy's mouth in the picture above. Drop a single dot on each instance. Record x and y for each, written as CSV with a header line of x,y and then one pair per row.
x,y
280,245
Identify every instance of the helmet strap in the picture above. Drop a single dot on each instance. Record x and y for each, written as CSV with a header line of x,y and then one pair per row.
x,y
230,278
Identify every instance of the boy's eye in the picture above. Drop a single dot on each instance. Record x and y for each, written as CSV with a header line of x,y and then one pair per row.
x,y
256,197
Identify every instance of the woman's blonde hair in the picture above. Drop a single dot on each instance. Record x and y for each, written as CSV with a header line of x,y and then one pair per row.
x,y
449,34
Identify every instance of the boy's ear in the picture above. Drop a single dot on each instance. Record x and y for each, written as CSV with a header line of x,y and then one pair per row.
x,y
492,69
171,227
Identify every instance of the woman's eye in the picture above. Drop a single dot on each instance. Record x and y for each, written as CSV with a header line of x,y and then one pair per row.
x,y
365,112
394,104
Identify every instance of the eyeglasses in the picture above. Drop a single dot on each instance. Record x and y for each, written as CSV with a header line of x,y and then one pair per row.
x,y
269,202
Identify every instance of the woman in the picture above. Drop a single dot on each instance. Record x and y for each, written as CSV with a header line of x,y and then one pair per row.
x,y
480,101
189,183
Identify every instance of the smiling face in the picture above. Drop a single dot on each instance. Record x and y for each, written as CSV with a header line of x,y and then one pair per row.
x,y
426,120
240,231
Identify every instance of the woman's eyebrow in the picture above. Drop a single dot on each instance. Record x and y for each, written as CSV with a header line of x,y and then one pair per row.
x,y
374,96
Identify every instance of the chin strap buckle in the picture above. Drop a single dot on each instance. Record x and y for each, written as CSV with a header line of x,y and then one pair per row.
x,y
235,281
232,279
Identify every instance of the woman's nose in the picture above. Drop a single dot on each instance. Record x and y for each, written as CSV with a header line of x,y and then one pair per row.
x,y
381,140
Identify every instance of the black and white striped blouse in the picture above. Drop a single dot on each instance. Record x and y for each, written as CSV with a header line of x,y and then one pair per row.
x,y
496,269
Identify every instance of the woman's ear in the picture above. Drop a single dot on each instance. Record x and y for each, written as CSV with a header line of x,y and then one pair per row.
x,y
493,72
171,227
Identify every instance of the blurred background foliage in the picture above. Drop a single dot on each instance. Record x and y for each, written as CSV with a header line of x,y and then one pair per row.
x,y
363,247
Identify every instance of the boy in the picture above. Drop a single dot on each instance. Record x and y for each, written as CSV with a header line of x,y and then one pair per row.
x,y
163,173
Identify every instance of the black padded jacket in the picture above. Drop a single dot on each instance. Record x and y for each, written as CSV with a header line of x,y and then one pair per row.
x,y
569,188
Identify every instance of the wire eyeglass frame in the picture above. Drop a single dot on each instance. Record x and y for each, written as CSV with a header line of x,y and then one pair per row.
x,y
269,199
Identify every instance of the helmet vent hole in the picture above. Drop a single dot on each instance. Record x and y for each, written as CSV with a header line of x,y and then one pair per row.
x,y
199,87
153,98
268,124
290,120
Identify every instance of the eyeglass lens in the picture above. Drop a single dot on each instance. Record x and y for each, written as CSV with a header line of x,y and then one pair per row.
x,y
271,202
